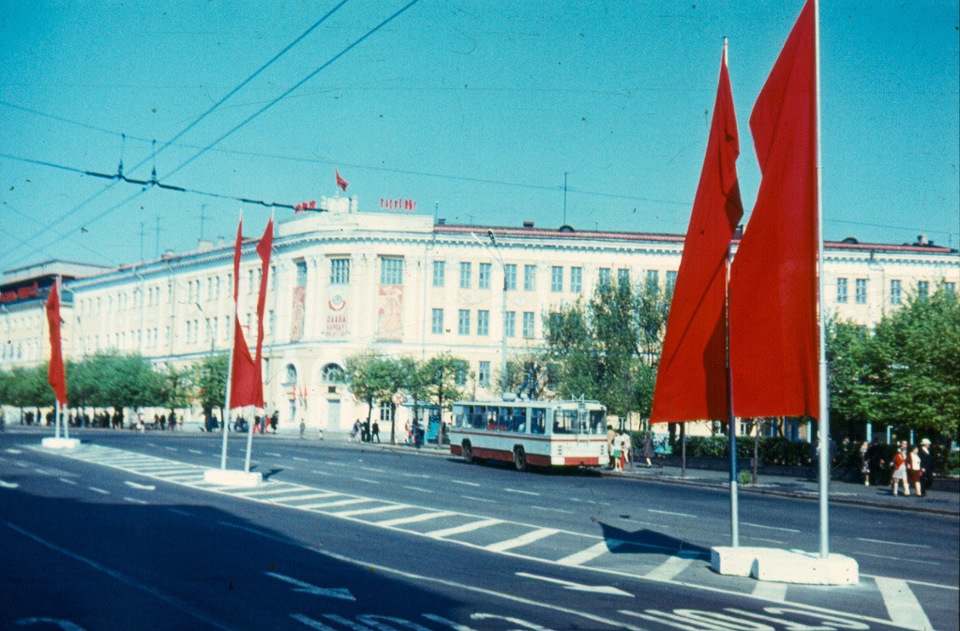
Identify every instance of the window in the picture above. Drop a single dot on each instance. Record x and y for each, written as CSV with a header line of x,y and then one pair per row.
x,y
437,321
463,322
510,324
391,271
923,288
333,373
339,271
671,281
842,290
483,375
623,276
896,292
528,323
250,282
861,288
556,278
483,322
604,276
460,377
483,281
576,279
653,279
529,277
951,287
466,273
439,272
510,276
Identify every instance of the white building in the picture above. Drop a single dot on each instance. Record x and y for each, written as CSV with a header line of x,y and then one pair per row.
x,y
344,281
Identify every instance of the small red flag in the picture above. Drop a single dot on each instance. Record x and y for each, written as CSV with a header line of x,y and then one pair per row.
x,y
692,375
342,183
264,248
773,278
56,374
244,375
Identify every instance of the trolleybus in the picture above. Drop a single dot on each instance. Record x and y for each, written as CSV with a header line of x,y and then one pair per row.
x,y
531,433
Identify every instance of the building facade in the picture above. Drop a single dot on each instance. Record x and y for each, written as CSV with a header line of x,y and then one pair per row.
x,y
343,281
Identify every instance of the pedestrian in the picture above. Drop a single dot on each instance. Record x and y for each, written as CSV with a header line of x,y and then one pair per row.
x,y
303,428
865,462
617,453
915,470
646,449
926,465
900,469
611,436
627,447
875,462
274,421
355,432
173,421
376,432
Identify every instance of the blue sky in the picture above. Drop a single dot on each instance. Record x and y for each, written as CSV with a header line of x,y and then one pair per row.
x,y
472,108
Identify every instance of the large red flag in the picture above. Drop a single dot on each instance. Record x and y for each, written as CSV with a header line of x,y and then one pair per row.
x,y
244,376
264,248
692,376
773,279
55,372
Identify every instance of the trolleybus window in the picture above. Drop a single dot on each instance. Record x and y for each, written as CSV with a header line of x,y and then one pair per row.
x,y
538,420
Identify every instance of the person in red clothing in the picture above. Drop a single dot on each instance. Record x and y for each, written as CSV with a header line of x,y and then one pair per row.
x,y
900,469
915,469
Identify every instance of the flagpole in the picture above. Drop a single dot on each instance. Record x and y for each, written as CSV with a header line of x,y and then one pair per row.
x,y
824,424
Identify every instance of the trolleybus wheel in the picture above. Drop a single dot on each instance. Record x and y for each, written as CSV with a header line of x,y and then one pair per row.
x,y
467,452
519,458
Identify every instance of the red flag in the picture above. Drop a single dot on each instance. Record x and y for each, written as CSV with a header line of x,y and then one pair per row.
x,y
692,376
773,279
263,249
55,372
342,183
245,380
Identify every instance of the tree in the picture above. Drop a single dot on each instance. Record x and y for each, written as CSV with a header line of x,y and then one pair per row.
x,y
209,377
439,376
375,378
851,382
175,386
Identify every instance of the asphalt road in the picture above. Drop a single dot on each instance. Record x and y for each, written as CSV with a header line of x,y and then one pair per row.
x,y
124,534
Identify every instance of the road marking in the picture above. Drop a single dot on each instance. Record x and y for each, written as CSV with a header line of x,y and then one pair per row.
x,y
522,540
371,511
177,511
771,591
461,482
591,553
666,512
134,500
776,541
273,455
340,593
456,530
892,543
372,469
521,492
322,472
899,559
254,493
142,487
8,485
11,450
309,496
195,451
356,500
171,449
553,510
902,605
301,459
98,490
416,518
365,480
597,589
66,481
672,567
417,488
745,523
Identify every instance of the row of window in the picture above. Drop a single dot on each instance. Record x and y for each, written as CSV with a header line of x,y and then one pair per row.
x,y
464,323
557,274
896,290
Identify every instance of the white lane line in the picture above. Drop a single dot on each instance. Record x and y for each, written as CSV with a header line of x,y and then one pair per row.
x,y
8,485
456,530
672,567
666,512
301,459
898,559
273,491
177,511
461,482
745,523
171,449
365,481
370,511
98,490
142,487
269,453
417,488
416,518
521,492
892,543
478,499
195,451
776,541
66,481
322,472
591,553
771,591
902,605
522,540
372,469
134,500
553,510
11,450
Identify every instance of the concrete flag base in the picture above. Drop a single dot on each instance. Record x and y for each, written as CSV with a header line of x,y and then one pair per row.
x,y
230,477
785,566
60,443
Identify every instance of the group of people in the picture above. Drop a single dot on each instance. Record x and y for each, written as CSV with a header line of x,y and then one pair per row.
x,y
620,448
911,466
365,432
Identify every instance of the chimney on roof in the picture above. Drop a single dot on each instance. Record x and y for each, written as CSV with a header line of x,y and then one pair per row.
x,y
442,221
922,240
528,224
205,245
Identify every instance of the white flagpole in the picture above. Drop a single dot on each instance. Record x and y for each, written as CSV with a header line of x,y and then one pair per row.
x,y
824,424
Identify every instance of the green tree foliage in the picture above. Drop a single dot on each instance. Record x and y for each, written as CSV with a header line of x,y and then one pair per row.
x,y
853,394
438,376
209,381
375,378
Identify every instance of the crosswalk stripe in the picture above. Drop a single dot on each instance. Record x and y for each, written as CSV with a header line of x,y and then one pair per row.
x,y
456,530
672,567
308,496
771,591
371,511
591,553
522,540
356,500
902,605
409,520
